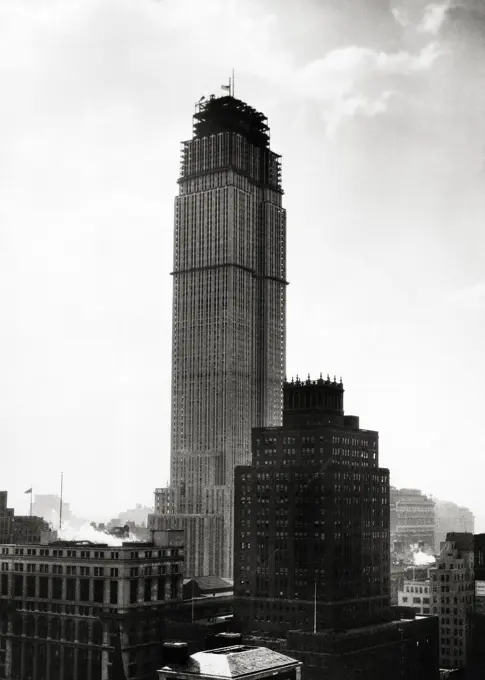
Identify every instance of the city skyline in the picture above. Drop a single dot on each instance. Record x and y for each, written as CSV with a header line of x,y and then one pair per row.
x,y
384,181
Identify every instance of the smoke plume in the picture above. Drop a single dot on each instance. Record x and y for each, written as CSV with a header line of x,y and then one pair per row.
x,y
420,558
86,532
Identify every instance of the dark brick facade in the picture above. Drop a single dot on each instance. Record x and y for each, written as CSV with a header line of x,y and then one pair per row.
x,y
311,519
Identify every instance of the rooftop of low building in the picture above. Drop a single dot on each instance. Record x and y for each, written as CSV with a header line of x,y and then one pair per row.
x,y
233,662
211,582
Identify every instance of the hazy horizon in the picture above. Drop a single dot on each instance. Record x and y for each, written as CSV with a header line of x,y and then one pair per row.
x,y
379,114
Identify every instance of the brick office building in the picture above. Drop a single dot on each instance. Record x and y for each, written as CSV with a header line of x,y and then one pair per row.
x,y
476,617
452,593
65,607
312,519
312,559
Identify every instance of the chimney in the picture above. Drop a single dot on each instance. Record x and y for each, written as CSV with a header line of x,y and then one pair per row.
x,y
175,653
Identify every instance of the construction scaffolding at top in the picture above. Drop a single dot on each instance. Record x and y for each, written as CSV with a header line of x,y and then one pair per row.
x,y
227,114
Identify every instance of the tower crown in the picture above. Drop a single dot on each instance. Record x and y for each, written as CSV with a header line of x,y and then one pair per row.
x,y
308,400
227,114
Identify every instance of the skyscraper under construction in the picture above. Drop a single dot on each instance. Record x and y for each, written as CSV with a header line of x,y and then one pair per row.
x,y
228,346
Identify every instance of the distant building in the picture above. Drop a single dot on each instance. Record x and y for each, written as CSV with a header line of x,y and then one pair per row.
x,y
452,592
20,528
200,531
234,663
398,573
48,506
415,592
67,608
137,516
312,519
405,648
165,501
451,518
28,529
412,518
6,519
476,618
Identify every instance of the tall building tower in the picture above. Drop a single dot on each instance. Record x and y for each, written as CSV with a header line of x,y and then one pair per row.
x,y
228,351
312,559
312,519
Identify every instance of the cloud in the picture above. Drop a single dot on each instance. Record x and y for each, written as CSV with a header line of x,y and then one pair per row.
x,y
433,18
353,80
400,15
472,298
355,106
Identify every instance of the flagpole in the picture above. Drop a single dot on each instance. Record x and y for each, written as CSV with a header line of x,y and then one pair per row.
x,y
60,505
233,82
31,490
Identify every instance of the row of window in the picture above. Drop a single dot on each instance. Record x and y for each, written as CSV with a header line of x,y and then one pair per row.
x,y
91,554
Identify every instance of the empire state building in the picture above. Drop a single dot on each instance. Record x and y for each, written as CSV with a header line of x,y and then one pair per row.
x,y
228,343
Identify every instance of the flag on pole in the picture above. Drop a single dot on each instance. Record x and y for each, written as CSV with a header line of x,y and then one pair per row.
x,y
28,490
226,87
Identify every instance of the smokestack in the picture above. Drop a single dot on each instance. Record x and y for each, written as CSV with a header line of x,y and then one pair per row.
x,y
175,653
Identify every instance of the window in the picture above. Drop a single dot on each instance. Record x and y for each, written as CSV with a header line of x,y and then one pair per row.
x,y
98,590
113,592
70,589
18,583
57,588
84,590
4,584
43,587
133,591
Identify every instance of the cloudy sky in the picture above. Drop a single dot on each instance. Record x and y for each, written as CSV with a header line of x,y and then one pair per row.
x,y
379,112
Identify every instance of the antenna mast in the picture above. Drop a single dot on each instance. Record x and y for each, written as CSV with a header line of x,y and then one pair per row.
x,y
233,82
